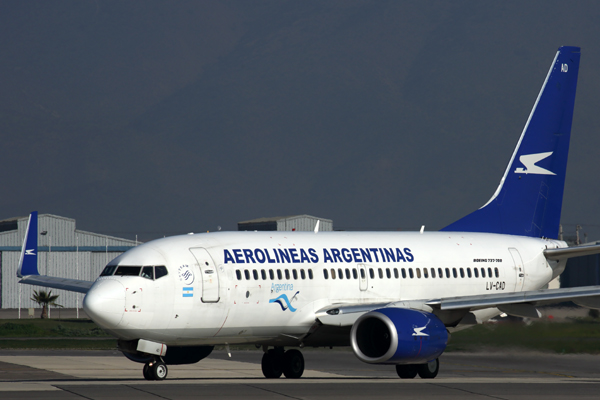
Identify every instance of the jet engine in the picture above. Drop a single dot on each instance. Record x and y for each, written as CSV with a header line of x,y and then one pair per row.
x,y
398,336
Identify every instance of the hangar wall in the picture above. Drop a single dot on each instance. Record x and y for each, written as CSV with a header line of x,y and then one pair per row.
x,y
63,251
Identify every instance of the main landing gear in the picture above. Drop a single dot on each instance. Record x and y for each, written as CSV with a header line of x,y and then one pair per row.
x,y
155,370
425,371
277,361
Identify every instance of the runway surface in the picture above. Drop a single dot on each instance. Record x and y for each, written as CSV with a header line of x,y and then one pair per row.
x,y
330,374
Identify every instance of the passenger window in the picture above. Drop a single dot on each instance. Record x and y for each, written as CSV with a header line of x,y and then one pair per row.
x,y
476,272
490,272
447,272
325,275
247,274
295,274
454,272
388,273
469,272
310,275
279,276
127,271
263,274
302,274
108,270
410,273
462,273
148,272
255,273
238,274
332,273
362,273
340,273
483,272
371,273
160,271
354,273
425,273
396,273
440,273
433,272
403,273
287,274
271,275
347,273
380,273
497,272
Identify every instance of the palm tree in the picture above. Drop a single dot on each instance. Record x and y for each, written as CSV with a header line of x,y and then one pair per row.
x,y
45,299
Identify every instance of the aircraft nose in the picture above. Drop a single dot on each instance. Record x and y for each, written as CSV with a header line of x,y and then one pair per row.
x,y
105,303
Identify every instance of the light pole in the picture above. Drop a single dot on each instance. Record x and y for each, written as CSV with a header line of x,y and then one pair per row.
x,y
44,233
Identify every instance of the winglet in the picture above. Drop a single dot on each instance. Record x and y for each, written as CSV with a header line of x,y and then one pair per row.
x,y
28,259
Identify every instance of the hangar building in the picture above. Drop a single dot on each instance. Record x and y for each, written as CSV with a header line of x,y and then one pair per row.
x,y
63,251
290,223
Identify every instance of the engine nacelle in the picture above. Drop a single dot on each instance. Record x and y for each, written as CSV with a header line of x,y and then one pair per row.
x,y
398,336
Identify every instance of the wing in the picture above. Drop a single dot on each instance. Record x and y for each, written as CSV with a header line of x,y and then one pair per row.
x,y
452,310
72,285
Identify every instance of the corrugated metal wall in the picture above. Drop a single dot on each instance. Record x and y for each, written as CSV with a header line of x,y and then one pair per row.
x,y
87,265
58,255
303,223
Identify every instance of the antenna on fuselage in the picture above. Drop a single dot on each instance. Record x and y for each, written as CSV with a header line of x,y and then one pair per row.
x,y
317,226
422,229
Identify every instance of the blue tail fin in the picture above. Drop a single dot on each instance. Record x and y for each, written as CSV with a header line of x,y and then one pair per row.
x,y
528,200
28,261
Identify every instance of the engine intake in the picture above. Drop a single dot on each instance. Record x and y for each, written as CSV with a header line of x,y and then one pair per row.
x,y
398,336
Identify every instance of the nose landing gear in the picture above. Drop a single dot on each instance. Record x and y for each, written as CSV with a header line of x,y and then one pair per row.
x,y
155,370
277,361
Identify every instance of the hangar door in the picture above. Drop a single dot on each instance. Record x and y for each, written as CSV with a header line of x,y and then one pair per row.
x,y
209,274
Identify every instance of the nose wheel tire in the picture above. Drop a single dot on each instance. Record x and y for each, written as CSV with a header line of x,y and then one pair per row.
x,y
429,370
147,373
293,364
155,371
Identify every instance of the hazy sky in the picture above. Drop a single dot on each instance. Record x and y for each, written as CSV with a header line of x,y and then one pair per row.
x,y
156,118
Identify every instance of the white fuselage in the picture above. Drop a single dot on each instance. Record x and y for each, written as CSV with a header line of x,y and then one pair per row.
x,y
265,287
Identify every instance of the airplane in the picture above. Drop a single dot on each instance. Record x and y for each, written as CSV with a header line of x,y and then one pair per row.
x,y
394,297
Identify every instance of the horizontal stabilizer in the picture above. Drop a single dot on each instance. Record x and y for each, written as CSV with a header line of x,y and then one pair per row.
x,y
569,252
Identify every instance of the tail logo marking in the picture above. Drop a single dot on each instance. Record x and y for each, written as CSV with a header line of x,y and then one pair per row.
x,y
30,252
564,68
529,162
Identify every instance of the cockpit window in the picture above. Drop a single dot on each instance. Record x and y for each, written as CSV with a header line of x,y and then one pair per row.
x,y
148,272
127,271
108,270
160,271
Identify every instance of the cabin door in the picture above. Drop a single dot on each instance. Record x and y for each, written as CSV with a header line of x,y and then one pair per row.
x,y
519,268
209,274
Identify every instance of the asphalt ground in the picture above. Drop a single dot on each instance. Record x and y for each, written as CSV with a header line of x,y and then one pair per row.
x,y
330,374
